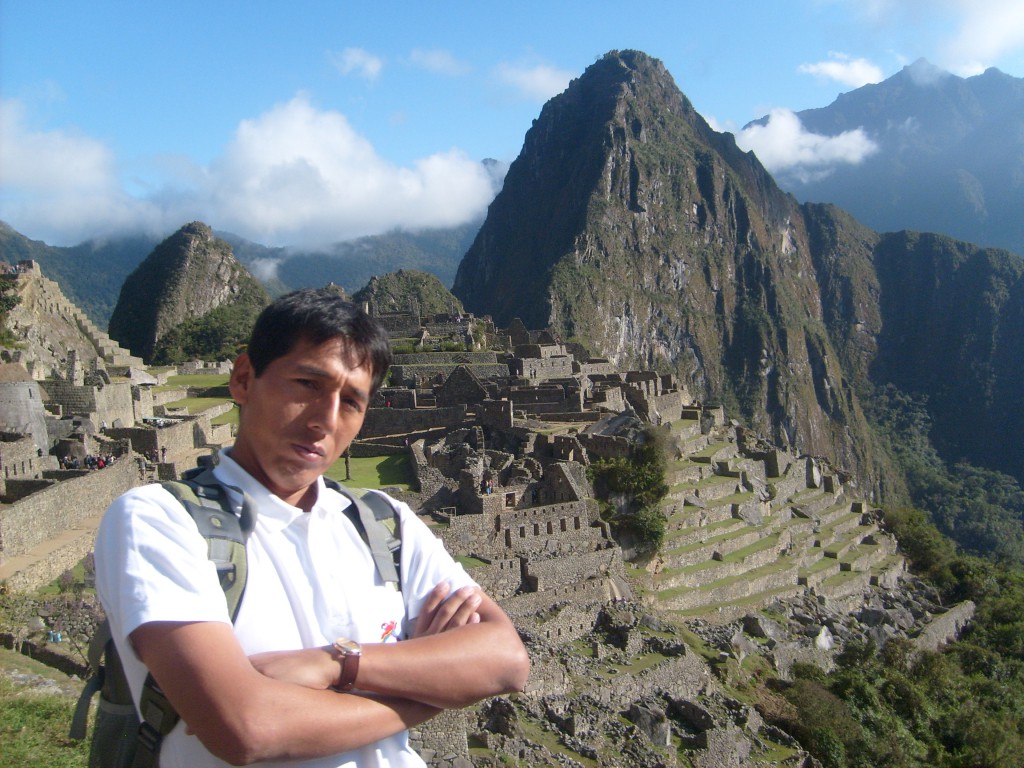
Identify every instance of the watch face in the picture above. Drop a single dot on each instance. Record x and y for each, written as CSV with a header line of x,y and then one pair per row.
x,y
347,647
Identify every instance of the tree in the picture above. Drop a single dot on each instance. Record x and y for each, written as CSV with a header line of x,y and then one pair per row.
x,y
9,299
640,481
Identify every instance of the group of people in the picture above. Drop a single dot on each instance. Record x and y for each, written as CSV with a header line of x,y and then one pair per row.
x,y
156,456
90,461
326,664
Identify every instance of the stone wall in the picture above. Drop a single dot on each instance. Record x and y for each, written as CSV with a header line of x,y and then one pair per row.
x,y
49,512
142,398
581,592
110,403
472,533
399,397
442,741
500,578
539,369
609,398
557,527
419,375
399,421
605,446
567,622
446,358
598,366
20,459
147,440
195,367
21,410
573,569
496,413
665,408
400,325
461,388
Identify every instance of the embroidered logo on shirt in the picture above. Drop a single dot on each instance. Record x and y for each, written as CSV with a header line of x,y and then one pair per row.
x,y
390,631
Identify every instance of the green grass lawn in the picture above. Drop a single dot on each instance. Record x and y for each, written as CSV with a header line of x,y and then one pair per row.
x,y
34,726
375,472
197,404
202,380
231,417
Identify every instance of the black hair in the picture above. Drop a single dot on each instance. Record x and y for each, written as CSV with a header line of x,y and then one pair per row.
x,y
317,315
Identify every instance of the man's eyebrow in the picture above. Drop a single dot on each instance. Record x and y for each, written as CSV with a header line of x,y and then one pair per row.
x,y
312,370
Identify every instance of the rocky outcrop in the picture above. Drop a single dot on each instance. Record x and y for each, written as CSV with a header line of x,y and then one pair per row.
x,y
186,276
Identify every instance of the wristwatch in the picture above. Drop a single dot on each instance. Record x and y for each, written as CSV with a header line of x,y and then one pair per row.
x,y
348,653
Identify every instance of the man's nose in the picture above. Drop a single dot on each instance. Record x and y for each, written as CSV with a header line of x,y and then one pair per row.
x,y
325,411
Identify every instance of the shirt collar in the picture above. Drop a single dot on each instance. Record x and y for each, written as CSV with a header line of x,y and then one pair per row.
x,y
268,505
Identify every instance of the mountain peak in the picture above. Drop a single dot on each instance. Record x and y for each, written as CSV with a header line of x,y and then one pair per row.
x,y
186,276
923,73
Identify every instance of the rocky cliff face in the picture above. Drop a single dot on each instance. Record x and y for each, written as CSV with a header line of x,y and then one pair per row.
x,y
186,276
629,224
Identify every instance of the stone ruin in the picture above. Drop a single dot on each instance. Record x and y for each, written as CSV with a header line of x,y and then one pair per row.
x,y
500,442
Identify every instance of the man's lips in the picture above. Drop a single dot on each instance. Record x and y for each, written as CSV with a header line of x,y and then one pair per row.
x,y
309,452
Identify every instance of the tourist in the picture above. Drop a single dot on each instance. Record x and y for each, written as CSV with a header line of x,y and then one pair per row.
x,y
264,689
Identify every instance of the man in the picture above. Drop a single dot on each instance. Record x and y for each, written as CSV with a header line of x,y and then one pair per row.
x,y
264,689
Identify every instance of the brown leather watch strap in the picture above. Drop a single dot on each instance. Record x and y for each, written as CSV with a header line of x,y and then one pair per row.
x,y
348,652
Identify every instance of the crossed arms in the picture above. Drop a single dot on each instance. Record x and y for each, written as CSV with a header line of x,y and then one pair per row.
x,y
279,705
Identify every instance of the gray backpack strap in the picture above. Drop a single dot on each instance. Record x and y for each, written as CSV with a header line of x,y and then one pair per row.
x,y
206,502
126,741
97,648
378,524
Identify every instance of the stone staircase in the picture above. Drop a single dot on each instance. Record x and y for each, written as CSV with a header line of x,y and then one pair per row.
x,y
51,325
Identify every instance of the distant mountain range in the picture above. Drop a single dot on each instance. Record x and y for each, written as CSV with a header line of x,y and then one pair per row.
x,y
949,158
91,274
629,225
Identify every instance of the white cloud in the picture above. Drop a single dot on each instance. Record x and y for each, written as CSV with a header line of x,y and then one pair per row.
x,y
358,61
786,149
961,36
438,61
988,29
844,69
294,175
538,82
60,185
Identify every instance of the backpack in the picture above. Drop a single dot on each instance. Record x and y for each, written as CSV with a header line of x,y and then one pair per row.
x,y
119,739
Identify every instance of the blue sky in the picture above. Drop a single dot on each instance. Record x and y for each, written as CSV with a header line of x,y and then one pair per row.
x,y
307,122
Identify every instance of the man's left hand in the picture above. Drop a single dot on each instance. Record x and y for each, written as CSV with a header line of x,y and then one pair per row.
x,y
443,611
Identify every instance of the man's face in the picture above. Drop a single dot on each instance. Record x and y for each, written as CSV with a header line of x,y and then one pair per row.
x,y
298,417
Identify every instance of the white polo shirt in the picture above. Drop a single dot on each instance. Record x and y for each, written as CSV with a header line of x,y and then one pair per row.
x,y
310,579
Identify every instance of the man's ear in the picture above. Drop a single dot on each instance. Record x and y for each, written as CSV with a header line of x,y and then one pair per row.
x,y
242,375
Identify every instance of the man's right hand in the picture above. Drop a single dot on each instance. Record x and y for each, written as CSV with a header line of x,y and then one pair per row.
x,y
311,667
443,611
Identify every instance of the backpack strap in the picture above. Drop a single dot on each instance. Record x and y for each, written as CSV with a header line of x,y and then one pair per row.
x,y
378,524
207,503
97,649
